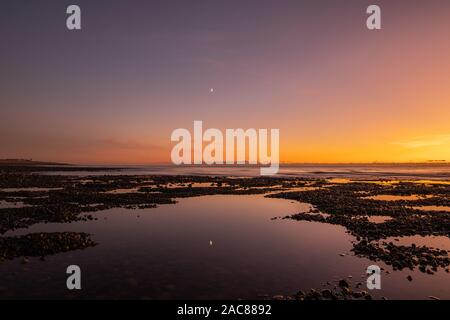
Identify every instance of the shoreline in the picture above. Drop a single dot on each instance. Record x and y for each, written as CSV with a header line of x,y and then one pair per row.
x,y
354,172
62,199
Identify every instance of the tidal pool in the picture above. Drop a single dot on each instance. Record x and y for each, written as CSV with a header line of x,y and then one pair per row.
x,y
378,219
11,204
437,242
433,208
210,247
386,197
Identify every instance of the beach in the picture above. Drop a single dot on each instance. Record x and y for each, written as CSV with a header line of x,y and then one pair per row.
x,y
162,232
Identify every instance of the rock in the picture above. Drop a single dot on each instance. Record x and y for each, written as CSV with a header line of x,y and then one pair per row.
x,y
409,278
343,284
327,294
346,290
300,295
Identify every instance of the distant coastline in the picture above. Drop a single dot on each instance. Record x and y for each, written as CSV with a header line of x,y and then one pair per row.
x,y
28,162
31,162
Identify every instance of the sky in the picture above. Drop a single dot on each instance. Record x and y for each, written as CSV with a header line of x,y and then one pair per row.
x,y
114,91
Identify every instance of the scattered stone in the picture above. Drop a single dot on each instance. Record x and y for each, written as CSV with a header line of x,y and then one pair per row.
x,y
42,244
343,284
343,293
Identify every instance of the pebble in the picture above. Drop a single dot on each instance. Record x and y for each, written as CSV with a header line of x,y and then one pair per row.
x,y
343,284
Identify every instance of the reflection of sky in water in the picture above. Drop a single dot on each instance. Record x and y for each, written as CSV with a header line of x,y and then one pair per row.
x,y
433,208
378,219
167,253
387,197
28,189
437,242
16,204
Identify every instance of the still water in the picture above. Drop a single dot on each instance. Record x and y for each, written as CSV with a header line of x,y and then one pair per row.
x,y
212,247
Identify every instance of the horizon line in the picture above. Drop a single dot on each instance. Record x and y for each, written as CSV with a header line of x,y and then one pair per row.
x,y
31,161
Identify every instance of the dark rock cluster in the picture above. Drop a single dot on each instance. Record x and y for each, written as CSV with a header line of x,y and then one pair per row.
x,y
400,257
350,204
42,244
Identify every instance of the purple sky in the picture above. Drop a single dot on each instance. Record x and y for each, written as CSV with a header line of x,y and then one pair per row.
x,y
114,91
